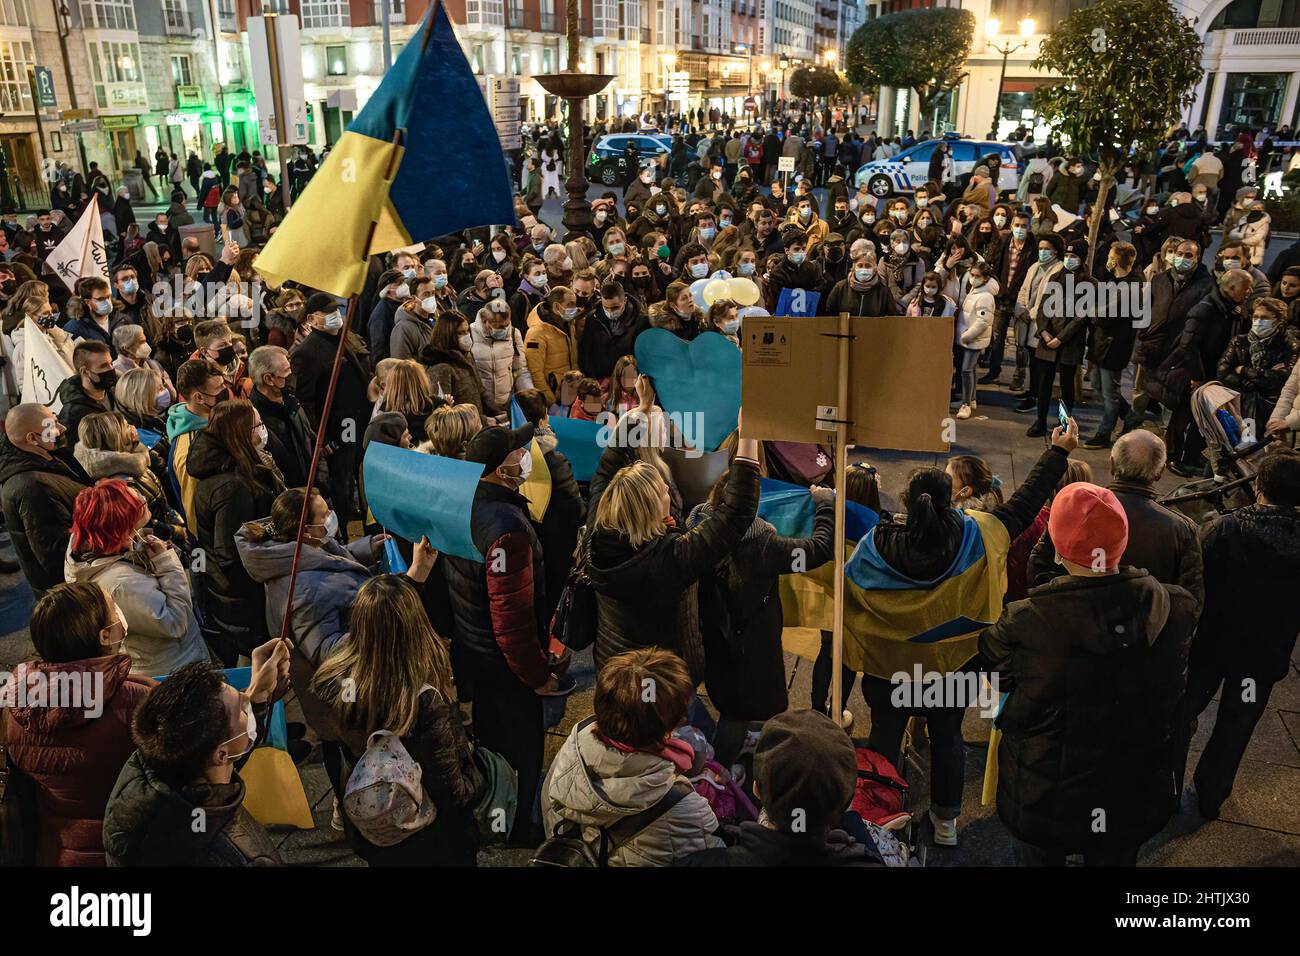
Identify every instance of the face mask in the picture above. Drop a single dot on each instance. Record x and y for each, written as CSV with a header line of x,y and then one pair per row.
x,y
707,232
570,314
805,214
661,210
931,291
717,174
331,525
899,214
1071,263
1046,255
259,437
105,380
863,275
499,255
143,351
429,304
1231,264
663,252
129,287
539,247
724,223
796,258
332,321
439,282
731,327
1261,327
976,281
501,334
1199,197
601,216
999,221
746,268
700,270
103,306
466,342
922,201
647,178
226,355
869,218
1182,264
1152,210
408,273
616,248
539,281
1018,233
250,725
1173,202
901,248
566,265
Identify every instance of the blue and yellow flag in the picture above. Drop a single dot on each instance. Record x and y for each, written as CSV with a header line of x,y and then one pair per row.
x,y
447,174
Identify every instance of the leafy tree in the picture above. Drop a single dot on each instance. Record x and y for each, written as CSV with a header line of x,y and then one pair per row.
x,y
1128,68
923,50
810,82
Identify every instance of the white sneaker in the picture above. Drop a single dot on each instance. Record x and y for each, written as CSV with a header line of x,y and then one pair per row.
x,y
336,817
963,412
945,831
846,719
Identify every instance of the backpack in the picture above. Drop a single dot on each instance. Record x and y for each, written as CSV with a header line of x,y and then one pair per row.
x,y
574,621
384,797
566,847
880,794
1035,182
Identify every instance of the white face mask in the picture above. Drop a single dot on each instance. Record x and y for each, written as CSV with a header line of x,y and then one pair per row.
x,y
403,291
250,729
260,437
331,524
499,255
429,304
143,351
466,342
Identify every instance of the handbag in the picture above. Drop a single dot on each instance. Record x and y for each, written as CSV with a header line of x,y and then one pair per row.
x,y
574,621
494,811
18,826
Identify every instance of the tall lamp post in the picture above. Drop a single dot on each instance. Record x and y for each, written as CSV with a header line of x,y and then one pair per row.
x,y
573,86
992,30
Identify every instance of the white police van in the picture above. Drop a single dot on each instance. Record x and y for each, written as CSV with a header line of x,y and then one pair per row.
x,y
910,169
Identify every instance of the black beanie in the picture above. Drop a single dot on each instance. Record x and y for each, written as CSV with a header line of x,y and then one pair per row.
x,y
806,769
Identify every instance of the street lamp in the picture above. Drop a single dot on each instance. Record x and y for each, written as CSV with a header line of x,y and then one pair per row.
x,y
829,56
992,30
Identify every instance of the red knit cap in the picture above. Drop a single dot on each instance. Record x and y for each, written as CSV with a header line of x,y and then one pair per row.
x,y
1086,522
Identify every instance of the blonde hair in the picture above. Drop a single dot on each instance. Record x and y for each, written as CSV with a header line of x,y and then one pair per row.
x,y
450,429
105,431
578,253
378,383
390,654
137,391
198,263
631,504
653,426
407,390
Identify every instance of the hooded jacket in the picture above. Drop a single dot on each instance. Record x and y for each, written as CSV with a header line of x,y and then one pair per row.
x,y
182,427
500,363
409,334
595,785
550,350
74,758
153,594
37,497
1251,617
1096,668
77,405
604,341
150,823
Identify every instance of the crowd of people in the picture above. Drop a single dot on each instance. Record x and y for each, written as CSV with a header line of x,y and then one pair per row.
x,y
161,515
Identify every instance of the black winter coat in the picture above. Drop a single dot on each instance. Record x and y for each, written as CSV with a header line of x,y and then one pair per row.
x,y
77,405
600,346
1170,304
558,530
1251,617
290,440
642,593
1096,668
223,501
741,617
1195,355
877,300
38,496
1111,338
312,360
1262,374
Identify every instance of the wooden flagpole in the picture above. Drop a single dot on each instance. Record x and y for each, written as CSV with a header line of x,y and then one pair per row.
x,y
841,467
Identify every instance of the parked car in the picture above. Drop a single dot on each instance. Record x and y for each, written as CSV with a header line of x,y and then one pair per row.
x,y
608,163
910,169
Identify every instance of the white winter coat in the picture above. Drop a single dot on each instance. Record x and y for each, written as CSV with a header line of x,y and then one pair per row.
x,y
500,364
976,317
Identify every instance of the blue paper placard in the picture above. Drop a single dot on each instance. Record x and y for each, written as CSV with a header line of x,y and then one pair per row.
x,y
698,377
576,440
413,495
148,437
790,509
799,303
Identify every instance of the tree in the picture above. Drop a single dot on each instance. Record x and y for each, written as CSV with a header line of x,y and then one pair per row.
x,y
810,82
923,50
1128,68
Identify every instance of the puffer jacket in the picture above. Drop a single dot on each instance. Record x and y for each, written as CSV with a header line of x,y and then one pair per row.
x,y
329,578
875,299
550,349
410,333
1287,408
153,594
595,785
453,374
38,496
1096,668
150,823
500,363
642,594
975,320
1251,617
1265,366
223,502
74,757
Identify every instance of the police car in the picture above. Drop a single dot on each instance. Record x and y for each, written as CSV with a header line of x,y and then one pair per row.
x,y
607,164
910,169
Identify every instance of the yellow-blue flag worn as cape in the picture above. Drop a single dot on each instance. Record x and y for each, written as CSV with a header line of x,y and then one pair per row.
x,y
448,173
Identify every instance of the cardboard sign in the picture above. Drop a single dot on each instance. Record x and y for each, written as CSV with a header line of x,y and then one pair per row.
x,y
785,164
900,372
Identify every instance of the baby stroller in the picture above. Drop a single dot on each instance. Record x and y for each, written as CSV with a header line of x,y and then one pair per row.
x,y
1233,449
884,801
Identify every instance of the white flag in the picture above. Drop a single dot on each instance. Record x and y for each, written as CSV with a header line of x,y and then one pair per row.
x,y
81,253
44,369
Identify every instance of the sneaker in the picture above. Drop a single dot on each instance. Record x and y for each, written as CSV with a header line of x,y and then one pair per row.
x,y
336,817
945,831
846,719
1026,405
1097,441
1036,431
963,412
990,379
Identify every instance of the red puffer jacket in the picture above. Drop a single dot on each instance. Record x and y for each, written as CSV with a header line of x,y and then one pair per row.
x,y
74,754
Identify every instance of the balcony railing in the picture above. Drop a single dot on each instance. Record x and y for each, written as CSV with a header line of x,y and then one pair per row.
x,y
550,23
515,18
1284,37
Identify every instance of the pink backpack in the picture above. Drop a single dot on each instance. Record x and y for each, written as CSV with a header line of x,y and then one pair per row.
x,y
728,801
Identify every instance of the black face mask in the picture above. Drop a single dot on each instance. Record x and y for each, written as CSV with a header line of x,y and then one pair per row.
x,y
105,380
183,333
226,355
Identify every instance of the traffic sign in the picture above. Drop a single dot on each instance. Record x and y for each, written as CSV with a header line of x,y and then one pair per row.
x,y
751,104
81,126
45,95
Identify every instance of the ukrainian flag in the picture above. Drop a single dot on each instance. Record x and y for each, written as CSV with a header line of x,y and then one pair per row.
x,y
422,159
891,622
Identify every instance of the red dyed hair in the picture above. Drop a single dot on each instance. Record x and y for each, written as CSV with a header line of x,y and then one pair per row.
x,y
104,518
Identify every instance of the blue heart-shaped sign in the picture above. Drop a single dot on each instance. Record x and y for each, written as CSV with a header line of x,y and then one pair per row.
x,y
700,378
